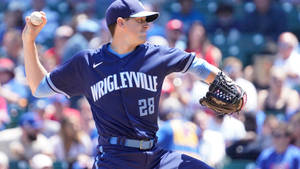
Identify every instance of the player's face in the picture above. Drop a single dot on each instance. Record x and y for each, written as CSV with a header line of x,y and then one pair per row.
x,y
136,29
280,141
285,49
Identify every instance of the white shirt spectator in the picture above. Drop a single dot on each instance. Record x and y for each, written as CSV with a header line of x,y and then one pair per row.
x,y
212,147
231,128
291,66
85,147
12,144
251,104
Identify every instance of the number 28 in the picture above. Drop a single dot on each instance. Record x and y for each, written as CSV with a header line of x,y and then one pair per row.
x,y
146,106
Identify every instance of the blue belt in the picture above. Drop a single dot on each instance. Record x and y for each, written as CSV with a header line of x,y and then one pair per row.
x,y
140,144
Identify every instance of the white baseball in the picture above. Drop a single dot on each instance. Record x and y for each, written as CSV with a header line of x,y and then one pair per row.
x,y
36,18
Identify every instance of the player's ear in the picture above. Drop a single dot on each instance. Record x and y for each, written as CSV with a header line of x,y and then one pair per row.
x,y
120,21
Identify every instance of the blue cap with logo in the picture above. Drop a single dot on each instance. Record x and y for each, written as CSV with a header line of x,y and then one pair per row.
x,y
128,9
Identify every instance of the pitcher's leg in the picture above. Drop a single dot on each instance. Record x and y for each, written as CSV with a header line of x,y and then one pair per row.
x,y
120,158
175,160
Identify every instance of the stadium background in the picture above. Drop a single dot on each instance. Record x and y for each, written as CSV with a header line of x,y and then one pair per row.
x,y
239,36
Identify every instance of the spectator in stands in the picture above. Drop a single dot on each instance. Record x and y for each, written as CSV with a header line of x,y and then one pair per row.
x,y
53,19
265,19
282,154
86,117
42,106
179,135
86,29
246,147
225,20
103,37
199,43
53,56
60,108
231,128
179,97
288,58
12,19
233,67
4,163
295,126
264,131
13,91
41,161
12,46
212,143
188,14
102,6
22,143
87,123
278,100
170,100
174,33
4,117
12,49
71,141
250,147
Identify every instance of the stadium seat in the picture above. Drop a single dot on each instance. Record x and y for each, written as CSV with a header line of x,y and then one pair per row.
x,y
60,165
18,165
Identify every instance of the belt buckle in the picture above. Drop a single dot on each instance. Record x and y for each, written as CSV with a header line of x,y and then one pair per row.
x,y
141,144
145,148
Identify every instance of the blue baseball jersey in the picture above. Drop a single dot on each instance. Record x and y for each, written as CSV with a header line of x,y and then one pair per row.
x,y
270,159
123,92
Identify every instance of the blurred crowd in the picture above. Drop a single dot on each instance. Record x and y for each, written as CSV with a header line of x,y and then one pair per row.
x,y
255,42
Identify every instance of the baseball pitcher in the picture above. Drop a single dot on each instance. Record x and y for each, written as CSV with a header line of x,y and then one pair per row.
x,y
122,82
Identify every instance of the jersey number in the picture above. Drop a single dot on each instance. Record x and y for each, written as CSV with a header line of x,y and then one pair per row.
x,y
146,106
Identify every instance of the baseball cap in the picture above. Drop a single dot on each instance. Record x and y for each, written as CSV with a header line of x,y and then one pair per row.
x,y
175,24
30,119
88,25
128,9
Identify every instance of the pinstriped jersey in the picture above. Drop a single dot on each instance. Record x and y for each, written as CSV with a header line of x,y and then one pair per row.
x,y
123,92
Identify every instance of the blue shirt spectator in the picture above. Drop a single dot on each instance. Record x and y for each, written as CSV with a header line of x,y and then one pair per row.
x,y
289,159
188,14
282,154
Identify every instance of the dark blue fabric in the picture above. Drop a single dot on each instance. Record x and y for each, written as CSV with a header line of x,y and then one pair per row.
x,y
123,92
128,158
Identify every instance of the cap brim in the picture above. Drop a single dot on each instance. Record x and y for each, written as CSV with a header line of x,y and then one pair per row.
x,y
150,16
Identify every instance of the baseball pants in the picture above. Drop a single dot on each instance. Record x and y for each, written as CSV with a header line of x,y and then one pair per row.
x,y
120,157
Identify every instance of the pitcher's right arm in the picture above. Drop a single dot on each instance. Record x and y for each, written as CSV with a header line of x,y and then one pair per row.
x,y
35,71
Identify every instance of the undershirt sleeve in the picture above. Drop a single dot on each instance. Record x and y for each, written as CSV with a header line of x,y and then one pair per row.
x,y
201,67
44,89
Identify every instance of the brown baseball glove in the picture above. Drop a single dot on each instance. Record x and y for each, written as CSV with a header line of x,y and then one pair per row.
x,y
224,96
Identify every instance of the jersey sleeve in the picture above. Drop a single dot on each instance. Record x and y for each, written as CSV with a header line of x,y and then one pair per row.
x,y
70,78
176,60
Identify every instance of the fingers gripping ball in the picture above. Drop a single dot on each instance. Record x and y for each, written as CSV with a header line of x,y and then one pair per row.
x,y
36,18
224,96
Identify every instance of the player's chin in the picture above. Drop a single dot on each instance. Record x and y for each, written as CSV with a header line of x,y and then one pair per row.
x,y
142,39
